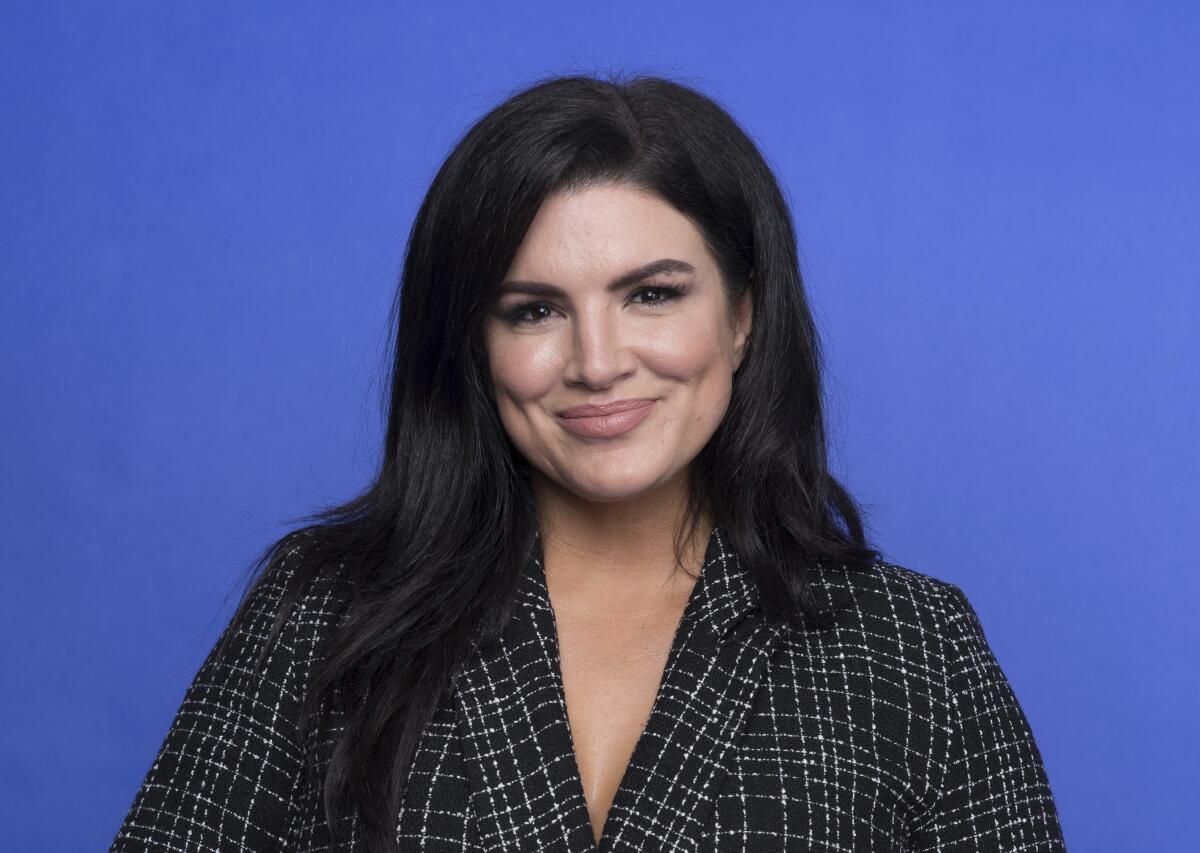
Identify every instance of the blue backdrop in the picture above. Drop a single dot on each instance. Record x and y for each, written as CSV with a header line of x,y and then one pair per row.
x,y
204,208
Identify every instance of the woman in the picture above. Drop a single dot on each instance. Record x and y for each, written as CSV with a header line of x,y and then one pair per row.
x,y
604,592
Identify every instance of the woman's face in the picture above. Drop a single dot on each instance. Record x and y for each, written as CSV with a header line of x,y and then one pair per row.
x,y
612,297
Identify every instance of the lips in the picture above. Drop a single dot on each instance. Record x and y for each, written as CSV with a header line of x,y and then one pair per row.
x,y
602,409
608,420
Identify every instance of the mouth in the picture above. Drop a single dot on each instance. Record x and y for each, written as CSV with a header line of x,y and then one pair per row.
x,y
608,420
593,410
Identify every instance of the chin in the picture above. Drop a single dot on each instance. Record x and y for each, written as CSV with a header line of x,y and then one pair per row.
x,y
612,489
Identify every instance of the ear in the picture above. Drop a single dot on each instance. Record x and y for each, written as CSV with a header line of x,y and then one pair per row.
x,y
743,322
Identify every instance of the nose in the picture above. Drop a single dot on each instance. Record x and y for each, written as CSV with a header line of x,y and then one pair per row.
x,y
599,355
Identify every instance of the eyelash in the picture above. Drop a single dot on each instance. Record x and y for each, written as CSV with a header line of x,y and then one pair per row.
x,y
670,292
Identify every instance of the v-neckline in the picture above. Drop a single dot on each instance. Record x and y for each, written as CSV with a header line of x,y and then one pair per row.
x,y
684,634
527,791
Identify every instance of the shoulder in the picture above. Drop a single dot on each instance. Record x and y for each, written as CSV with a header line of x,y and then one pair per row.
x,y
228,766
900,636
296,566
291,605
895,612
889,591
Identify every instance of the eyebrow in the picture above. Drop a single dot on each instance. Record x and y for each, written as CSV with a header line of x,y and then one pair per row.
x,y
541,288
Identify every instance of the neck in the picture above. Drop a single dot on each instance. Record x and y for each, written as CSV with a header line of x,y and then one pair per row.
x,y
618,550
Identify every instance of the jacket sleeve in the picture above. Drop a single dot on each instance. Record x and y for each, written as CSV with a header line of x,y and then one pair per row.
x,y
995,795
228,769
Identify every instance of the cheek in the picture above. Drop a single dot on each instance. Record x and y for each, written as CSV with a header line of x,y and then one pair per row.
x,y
692,357
688,352
522,369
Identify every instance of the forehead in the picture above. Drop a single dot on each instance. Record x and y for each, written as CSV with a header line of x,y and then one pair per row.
x,y
605,229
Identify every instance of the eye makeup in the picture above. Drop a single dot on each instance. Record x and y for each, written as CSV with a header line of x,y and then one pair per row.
x,y
517,315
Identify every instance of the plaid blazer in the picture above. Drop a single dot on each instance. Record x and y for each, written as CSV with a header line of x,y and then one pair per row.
x,y
895,731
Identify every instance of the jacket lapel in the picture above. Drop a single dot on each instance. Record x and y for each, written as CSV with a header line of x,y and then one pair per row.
x,y
512,717
716,665
516,741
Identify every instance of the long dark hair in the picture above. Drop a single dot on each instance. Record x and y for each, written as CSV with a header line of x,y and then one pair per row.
x,y
432,549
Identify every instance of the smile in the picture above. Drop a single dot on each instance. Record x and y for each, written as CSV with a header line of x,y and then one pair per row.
x,y
610,425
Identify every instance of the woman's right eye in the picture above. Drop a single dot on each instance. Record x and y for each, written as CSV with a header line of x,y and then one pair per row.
x,y
518,316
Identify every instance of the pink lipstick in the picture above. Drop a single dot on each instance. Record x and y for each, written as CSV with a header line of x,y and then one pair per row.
x,y
606,420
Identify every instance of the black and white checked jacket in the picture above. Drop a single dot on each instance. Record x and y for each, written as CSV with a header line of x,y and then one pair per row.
x,y
897,731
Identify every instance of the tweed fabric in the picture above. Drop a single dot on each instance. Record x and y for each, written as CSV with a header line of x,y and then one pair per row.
x,y
897,730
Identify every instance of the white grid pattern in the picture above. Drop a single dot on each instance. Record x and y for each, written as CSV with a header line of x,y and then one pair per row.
x,y
895,731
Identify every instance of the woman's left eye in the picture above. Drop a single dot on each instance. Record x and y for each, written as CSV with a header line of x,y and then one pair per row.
x,y
665,292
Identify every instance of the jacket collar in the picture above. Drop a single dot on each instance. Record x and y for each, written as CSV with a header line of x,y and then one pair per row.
x,y
727,592
511,714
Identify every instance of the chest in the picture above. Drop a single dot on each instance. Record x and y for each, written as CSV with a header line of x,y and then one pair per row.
x,y
831,753
612,670
750,736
